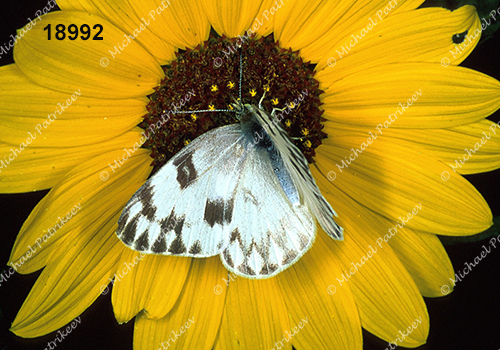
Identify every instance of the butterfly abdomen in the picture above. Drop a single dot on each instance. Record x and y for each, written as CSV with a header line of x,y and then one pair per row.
x,y
257,136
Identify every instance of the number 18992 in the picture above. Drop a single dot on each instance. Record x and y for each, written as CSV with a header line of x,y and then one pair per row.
x,y
73,32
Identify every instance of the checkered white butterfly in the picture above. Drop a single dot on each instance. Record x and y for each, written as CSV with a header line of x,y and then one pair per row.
x,y
243,191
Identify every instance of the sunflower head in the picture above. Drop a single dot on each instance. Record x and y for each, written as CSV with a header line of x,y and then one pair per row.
x,y
211,76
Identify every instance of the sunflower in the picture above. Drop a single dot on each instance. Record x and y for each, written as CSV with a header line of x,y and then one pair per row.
x,y
387,118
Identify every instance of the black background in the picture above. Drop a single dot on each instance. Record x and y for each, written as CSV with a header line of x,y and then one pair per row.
x,y
469,318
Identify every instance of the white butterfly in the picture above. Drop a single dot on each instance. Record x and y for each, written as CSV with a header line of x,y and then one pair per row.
x,y
250,199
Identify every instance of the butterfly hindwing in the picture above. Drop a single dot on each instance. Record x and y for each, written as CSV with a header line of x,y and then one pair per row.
x,y
183,209
270,233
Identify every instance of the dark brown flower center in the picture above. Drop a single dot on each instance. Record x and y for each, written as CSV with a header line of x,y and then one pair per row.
x,y
208,77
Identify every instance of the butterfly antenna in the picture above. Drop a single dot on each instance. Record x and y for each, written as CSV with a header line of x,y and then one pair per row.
x,y
201,110
241,75
219,110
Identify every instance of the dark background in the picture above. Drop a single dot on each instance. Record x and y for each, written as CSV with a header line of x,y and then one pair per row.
x,y
469,318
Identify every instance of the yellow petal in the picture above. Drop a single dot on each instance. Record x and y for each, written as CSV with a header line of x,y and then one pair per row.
x,y
83,191
70,284
233,18
481,147
54,116
309,291
79,5
387,297
35,169
466,149
315,27
181,23
417,95
67,65
263,23
154,284
424,35
404,6
425,258
121,14
300,23
395,180
195,319
255,316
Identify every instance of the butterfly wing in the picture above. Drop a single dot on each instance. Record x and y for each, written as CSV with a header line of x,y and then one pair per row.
x,y
183,209
188,208
270,233
297,166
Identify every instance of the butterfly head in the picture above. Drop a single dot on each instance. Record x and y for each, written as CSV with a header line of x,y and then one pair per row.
x,y
243,110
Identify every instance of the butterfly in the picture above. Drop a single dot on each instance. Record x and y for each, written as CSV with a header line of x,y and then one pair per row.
x,y
242,191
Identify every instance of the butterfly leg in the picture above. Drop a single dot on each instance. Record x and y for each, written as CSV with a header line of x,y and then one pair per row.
x,y
277,109
262,99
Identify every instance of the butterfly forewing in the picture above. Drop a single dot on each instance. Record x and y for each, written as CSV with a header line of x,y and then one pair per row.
x,y
184,208
297,166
